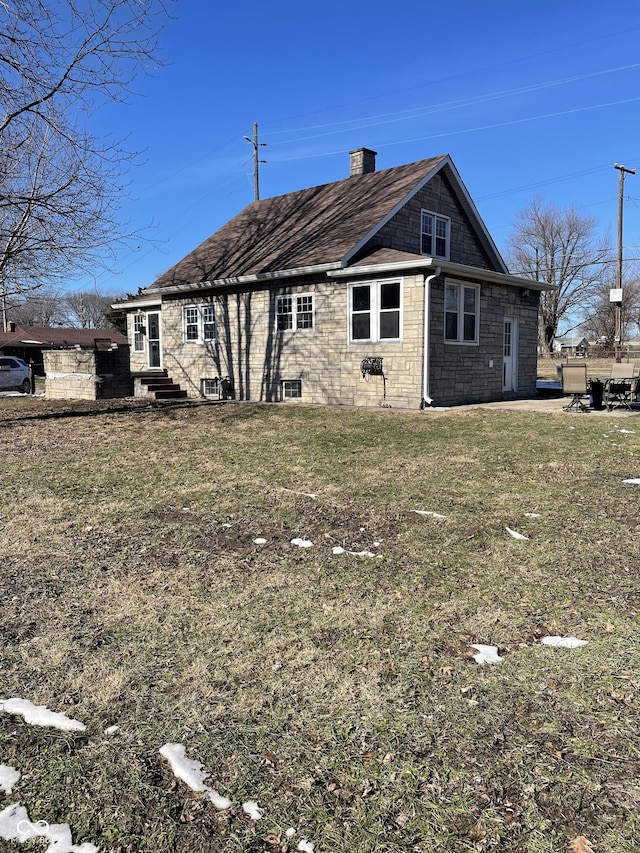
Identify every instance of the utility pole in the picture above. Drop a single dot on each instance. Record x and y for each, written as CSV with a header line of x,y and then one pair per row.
x,y
256,161
618,295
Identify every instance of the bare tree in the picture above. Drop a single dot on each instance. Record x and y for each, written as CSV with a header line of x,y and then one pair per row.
x,y
61,186
599,316
44,307
88,309
560,247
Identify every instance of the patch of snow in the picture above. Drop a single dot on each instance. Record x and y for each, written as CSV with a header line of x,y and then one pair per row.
x,y
302,543
532,515
38,715
635,481
486,654
564,642
251,808
112,730
260,541
337,549
627,431
16,826
191,773
428,512
515,533
9,777
305,846
290,832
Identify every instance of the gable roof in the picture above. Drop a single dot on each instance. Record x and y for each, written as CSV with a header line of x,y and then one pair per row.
x,y
315,229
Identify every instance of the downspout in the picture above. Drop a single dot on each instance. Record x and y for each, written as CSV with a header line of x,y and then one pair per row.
x,y
426,399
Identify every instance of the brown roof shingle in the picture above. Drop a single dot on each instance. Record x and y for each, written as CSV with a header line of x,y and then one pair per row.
x,y
315,226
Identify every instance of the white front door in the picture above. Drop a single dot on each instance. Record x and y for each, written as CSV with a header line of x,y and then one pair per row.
x,y
510,356
154,349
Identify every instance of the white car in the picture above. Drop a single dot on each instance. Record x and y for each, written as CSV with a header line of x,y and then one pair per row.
x,y
15,374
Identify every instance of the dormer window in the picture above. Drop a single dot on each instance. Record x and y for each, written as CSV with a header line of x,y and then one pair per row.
x,y
435,233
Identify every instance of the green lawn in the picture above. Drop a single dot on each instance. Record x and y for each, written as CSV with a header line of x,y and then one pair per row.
x,y
337,691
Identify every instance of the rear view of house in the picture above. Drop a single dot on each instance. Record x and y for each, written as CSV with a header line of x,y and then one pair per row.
x,y
384,288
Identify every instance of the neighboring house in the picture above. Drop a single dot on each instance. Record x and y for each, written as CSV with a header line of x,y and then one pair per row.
x,y
29,342
381,289
572,346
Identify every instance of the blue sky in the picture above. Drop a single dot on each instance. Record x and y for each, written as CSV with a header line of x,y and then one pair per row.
x,y
528,99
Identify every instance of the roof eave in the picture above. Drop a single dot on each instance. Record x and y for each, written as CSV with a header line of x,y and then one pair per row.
x,y
446,267
256,278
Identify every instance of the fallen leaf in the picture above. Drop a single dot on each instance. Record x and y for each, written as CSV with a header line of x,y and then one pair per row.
x,y
580,844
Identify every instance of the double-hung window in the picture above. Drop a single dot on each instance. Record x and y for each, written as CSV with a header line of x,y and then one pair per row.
x,y
199,324
138,332
461,313
294,313
434,235
375,311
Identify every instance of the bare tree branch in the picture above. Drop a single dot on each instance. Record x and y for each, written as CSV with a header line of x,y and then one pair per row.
x,y
559,247
61,187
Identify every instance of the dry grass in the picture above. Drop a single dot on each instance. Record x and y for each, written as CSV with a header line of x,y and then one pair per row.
x,y
597,368
337,691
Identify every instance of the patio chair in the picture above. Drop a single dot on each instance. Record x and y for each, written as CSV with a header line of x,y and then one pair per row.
x,y
574,382
620,386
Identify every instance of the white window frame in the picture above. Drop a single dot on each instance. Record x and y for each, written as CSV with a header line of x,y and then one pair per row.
x,y
286,385
375,311
138,331
460,339
297,312
199,321
215,392
437,220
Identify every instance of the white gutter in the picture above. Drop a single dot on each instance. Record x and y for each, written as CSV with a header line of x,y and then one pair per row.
x,y
426,399
447,267
138,303
255,278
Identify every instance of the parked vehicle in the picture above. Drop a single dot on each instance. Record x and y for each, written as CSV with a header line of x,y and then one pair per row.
x,y
15,374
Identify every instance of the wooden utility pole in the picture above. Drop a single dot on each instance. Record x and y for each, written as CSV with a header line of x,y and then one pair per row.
x,y
618,301
256,161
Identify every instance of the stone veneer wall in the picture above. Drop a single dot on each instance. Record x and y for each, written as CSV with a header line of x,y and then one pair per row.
x,y
257,359
87,374
461,373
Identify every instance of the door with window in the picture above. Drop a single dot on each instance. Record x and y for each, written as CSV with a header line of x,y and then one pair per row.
x,y
154,349
510,356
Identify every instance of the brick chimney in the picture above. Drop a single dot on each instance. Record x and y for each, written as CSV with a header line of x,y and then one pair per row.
x,y
361,162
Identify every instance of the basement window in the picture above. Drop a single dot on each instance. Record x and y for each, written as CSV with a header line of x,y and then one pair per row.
x,y
291,389
211,388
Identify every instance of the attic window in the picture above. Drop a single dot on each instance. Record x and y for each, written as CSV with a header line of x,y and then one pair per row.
x,y
434,235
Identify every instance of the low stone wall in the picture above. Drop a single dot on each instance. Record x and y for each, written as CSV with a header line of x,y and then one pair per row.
x,y
87,374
